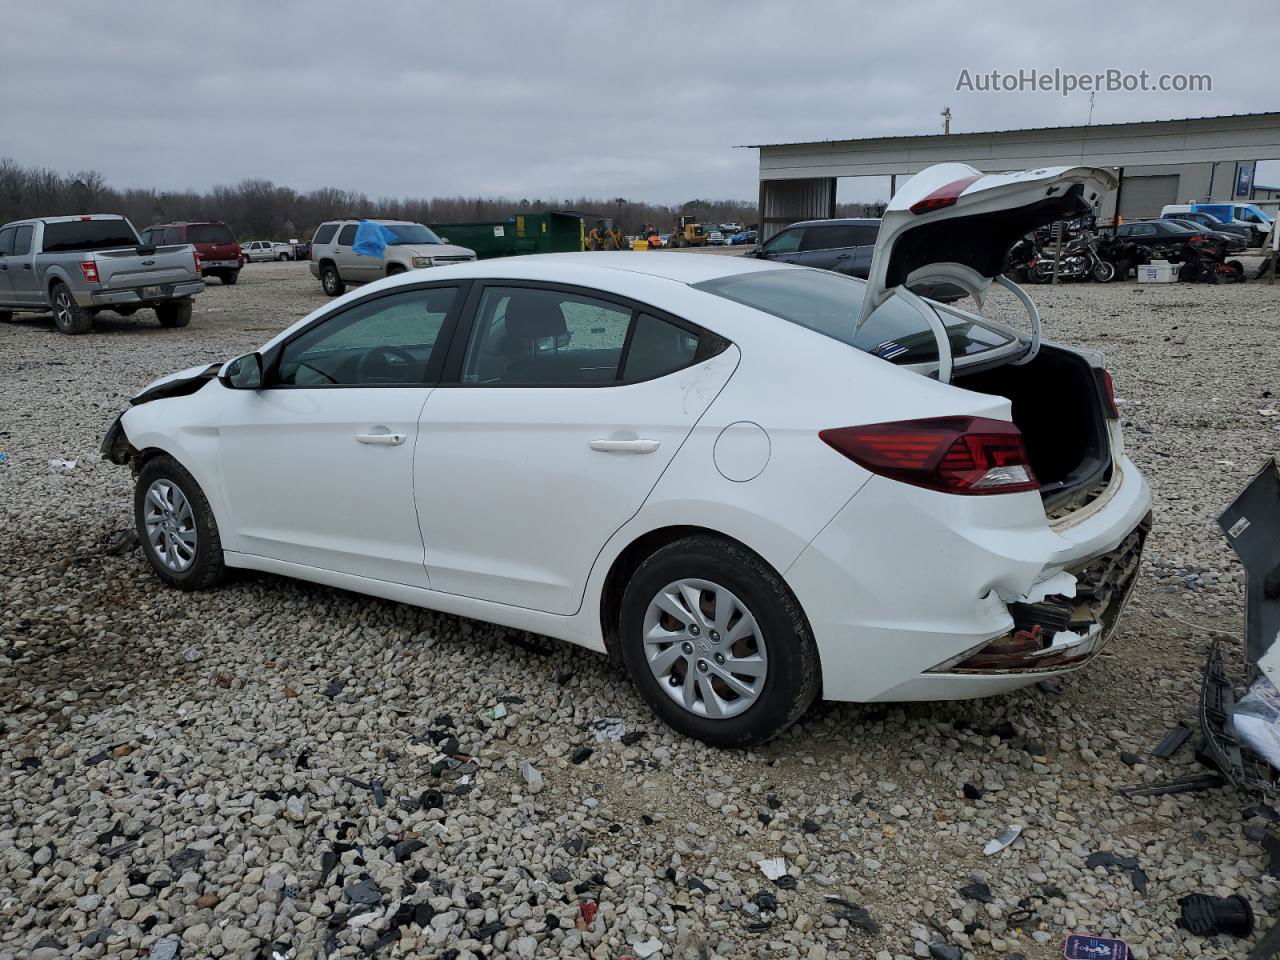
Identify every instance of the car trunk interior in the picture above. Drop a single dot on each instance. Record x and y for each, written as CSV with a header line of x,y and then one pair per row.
x,y
1058,406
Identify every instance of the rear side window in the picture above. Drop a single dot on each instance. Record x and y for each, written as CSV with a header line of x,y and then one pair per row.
x,y
838,235
658,348
325,233
210,233
173,235
69,236
22,239
347,236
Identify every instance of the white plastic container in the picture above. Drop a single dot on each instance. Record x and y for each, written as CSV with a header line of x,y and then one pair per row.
x,y
1158,271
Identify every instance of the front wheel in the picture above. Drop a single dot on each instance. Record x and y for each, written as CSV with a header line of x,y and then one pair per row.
x,y
67,314
176,526
175,313
1104,271
283,257
717,644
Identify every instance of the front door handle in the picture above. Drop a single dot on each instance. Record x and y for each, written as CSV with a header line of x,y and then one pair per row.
x,y
624,446
383,439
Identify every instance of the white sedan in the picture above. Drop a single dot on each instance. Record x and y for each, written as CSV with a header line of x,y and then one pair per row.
x,y
757,484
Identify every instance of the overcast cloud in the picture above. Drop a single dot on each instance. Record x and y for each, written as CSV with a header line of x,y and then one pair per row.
x,y
558,99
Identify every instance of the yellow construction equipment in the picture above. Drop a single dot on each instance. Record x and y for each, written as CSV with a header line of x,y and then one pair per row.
x,y
604,236
688,234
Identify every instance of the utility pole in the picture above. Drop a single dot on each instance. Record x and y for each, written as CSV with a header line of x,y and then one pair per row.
x,y
946,120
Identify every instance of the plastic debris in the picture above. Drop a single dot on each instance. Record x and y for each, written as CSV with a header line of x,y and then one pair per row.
x,y
121,542
58,465
977,890
608,729
1206,915
945,951
3,456
1085,946
1174,739
1106,859
773,868
364,892
531,776
164,949
587,912
498,711
855,915
996,844
581,755
1256,719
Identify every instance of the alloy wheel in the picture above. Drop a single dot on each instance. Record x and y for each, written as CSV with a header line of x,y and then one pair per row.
x,y
171,525
705,648
62,309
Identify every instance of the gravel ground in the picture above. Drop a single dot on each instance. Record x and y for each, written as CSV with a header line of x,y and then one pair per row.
x,y
249,772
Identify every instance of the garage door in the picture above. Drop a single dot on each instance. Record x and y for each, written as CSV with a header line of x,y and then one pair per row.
x,y
1142,197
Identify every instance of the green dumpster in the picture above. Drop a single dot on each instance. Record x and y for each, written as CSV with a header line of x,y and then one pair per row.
x,y
519,234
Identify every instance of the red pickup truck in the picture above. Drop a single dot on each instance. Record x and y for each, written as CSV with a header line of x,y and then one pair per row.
x,y
220,254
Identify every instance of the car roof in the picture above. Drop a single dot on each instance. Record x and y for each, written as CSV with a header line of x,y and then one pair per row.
x,y
838,222
688,268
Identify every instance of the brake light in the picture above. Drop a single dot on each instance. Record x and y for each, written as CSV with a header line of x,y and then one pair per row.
x,y
1194,240
944,196
195,255
90,271
967,455
1108,393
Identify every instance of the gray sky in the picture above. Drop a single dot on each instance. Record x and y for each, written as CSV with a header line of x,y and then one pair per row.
x,y
556,99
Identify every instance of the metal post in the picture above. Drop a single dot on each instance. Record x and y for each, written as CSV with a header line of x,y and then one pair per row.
x,y
1115,219
893,185
1057,257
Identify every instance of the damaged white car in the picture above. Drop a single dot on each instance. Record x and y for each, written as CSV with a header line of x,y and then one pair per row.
x,y
757,484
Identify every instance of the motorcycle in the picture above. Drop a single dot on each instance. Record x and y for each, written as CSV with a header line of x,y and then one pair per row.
x,y
1080,261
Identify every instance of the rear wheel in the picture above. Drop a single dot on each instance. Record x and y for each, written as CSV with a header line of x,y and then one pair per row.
x,y
283,257
229,277
331,281
716,643
1104,271
175,313
67,315
176,526
1041,273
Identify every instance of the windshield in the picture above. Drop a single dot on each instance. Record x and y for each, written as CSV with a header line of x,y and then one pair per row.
x,y
828,304
411,233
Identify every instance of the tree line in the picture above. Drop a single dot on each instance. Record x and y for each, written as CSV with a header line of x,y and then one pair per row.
x,y
261,210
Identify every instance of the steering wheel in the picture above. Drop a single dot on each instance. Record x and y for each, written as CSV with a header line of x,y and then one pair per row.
x,y
379,365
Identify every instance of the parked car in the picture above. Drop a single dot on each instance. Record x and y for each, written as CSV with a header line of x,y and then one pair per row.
x,y
1157,237
1231,242
633,457
1209,222
77,266
742,237
266,250
844,246
417,247
1248,215
715,238
301,250
220,255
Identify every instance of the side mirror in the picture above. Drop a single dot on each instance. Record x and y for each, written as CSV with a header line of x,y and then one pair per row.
x,y
444,239
243,373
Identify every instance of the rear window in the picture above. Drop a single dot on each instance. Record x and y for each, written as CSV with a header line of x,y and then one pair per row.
x,y
210,233
69,236
828,303
325,233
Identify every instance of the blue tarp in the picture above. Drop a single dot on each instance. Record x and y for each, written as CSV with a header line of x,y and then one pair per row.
x,y
372,239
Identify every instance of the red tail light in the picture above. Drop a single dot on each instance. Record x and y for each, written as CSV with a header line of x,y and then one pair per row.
x,y
1194,240
1108,393
969,455
90,271
944,196
195,255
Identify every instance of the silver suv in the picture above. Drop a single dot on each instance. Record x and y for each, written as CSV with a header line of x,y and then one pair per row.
x,y
336,264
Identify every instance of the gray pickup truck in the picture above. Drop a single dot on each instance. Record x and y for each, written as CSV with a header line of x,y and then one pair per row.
x,y
77,266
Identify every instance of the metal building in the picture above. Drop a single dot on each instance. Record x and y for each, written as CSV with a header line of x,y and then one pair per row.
x,y
1158,162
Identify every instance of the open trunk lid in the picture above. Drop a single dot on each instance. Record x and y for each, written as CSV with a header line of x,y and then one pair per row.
x,y
953,223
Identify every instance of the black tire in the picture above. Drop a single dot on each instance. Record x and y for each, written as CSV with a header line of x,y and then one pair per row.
x,y
126,311
792,680
332,281
68,316
174,313
207,569
394,269
283,257
1104,271
6,316
229,277
1122,269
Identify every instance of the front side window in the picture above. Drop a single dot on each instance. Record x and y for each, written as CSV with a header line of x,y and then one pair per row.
x,y
347,236
544,338
386,341
1144,230
6,242
788,241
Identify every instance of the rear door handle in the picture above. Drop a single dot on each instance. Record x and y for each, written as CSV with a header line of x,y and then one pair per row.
x,y
382,439
625,446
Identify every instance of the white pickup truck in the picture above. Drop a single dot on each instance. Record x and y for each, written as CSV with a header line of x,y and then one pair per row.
x,y
77,266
